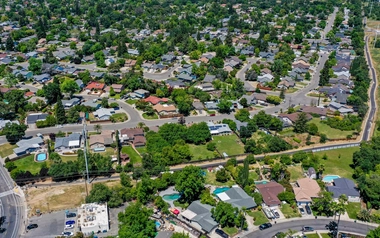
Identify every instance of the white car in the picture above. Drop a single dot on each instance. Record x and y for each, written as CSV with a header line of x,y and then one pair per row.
x,y
69,227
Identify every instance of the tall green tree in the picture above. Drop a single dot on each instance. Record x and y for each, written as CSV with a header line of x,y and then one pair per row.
x,y
35,65
14,132
69,86
300,125
190,183
9,44
60,112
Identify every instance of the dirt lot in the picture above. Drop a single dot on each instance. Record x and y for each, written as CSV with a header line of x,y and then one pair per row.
x,y
58,197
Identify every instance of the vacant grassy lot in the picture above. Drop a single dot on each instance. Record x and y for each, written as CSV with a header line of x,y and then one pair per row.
x,y
339,161
331,133
133,156
258,216
229,144
289,212
145,116
200,152
119,117
296,172
352,209
6,150
211,179
28,164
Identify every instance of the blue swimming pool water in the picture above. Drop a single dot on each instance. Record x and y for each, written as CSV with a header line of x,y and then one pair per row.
x,y
158,224
220,190
261,182
171,197
330,178
41,157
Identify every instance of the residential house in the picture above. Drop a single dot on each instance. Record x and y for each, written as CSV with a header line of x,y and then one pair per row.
x,y
133,52
301,64
141,93
97,75
104,114
95,86
218,129
240,124
26,146
71,102
205,87
259,98
68,143
100,142
237,197
42,78
306,190
165,109
343,109
26,74
91,103
139,141
117,88
284,84
80,83
168,58
321,111
198,105
292,117
211,105
28,94
266,78
155,100
344,186
33,118
186,77
32,54
199,215
3,123
175,84
135,136
270,191
129,63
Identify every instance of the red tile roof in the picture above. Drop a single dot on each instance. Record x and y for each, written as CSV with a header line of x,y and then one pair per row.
x,y
95,85
154,100
29,94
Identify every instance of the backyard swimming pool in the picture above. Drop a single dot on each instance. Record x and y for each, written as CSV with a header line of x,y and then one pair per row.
x,y
261,182
41,157
220,190
171,197
330,178
158,224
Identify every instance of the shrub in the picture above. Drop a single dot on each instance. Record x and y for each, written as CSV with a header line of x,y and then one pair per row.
x,y
297,140
211,146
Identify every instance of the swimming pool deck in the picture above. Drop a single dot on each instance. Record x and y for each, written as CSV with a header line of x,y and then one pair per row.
x,y
168,191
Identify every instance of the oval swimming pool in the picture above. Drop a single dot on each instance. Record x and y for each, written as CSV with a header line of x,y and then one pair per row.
x,y
171,197
41,157
330,178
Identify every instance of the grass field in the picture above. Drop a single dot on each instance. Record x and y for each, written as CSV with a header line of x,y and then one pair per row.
x,y
141,150
66,158
296,172
108,152
258,216
131,101
331,133
6,150
119,117
352,209
133,156
339,166
211,180
28,164
200,152
229,144
288,211
230,230
145,116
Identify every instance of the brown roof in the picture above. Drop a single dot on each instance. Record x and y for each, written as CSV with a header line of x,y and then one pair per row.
x,y
95,139
139,140
164,108
306,190
294,116
131,132
314,110
270,191
260,96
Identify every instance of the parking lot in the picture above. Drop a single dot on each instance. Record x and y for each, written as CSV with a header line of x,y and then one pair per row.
x,y
49,225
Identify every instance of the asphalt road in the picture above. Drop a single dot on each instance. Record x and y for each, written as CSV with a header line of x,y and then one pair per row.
x,y
161,76
372,95
317,224
11,206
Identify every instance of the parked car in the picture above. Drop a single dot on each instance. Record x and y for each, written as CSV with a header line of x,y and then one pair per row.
x,y
265,226
308,210
67,233
71,214
69,227
302,211
31,226
275,213
221,233
70,222
307,228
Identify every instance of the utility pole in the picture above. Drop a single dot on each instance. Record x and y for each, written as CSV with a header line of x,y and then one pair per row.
x,y
86,178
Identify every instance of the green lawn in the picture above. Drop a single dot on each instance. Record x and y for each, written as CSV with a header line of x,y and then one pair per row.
x,y
296,172
352,209
312,236
339,166
325,235
230,230
131,101
66,158
108,152
145,116
133,156
253,175
229,144
289,212
211,180
141,150
258,216
119,117
116,96
6,150
331,133
28,164
200,152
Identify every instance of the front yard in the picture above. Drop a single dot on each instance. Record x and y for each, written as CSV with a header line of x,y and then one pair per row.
x,y
289,212
258,216
6,149
119,117
352,209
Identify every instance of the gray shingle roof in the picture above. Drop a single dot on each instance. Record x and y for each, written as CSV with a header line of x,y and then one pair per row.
x,y
203,215
343,186
237,197
64,141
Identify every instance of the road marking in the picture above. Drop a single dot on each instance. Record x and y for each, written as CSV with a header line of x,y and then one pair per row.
x,y
3,194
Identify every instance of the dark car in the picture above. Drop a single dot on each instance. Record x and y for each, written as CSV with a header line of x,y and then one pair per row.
x,y
307,228
31,226
265,226
70,222
308,210
221,233
71,214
